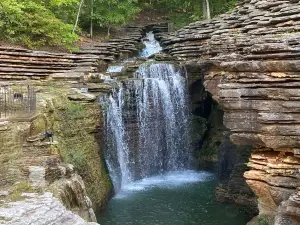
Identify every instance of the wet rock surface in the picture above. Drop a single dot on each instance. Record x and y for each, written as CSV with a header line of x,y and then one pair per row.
x,y
214,149
253,53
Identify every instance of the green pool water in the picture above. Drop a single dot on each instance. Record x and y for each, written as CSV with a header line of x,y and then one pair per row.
x,y
178,198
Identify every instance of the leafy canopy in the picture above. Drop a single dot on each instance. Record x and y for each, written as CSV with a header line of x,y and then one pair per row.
x,y
31,23
114,12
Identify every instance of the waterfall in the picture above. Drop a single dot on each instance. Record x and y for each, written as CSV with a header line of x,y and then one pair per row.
x,y
117,150
151,45
163,119
147,122
147,125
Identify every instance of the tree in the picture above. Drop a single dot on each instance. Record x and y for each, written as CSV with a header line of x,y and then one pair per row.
x,y
33,24
113,13
206,9
77,17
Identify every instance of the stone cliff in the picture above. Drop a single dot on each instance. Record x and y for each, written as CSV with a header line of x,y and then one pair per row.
x,y
252,70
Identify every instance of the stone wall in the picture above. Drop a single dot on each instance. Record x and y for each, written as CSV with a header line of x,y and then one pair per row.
x,y
253,53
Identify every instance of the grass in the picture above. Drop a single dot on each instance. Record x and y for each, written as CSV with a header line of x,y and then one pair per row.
x,y
75,110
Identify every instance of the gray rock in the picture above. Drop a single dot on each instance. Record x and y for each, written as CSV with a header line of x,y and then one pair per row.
x,y
39,210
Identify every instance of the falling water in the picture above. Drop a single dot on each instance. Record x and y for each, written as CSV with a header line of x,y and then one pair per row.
x,y
117,157
147,125
152,46
163,119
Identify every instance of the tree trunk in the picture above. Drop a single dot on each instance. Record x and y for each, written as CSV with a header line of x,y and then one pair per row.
x,y
77,18
92,14
108,32
206,9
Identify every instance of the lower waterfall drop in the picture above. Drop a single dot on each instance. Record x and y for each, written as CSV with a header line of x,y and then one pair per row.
x,y
147,125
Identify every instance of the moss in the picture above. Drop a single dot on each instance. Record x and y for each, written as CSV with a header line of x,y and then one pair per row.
x,y
38,126
262,220
75,110
75,128
11,151
18,189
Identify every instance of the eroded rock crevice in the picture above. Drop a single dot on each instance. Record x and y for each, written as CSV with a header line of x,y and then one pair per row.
x,y
213,147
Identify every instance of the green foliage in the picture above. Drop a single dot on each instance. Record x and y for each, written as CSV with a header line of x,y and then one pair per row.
x,y
183,12
180,20
36,23
263,220
31,23
110,13
62,2
222,6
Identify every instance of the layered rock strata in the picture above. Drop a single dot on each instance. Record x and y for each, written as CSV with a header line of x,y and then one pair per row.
x,y
71,166
211,142
23,64
252,55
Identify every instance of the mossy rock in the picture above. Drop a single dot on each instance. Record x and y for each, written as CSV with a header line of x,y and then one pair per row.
x,y
18,189
38,126
76,131
262,220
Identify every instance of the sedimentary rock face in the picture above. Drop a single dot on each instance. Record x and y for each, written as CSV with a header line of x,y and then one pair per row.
x,y
254,52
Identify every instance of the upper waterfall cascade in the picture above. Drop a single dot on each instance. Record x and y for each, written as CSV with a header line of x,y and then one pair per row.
x,y
147,124
152,46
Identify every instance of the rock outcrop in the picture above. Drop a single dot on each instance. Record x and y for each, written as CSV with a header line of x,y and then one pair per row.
x,y
31,162
252,65
39,210
24,64
210,140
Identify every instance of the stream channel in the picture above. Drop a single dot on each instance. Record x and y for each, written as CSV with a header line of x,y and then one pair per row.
x,y
148,156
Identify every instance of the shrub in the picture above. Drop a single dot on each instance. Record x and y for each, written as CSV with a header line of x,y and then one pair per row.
x,y
32,24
